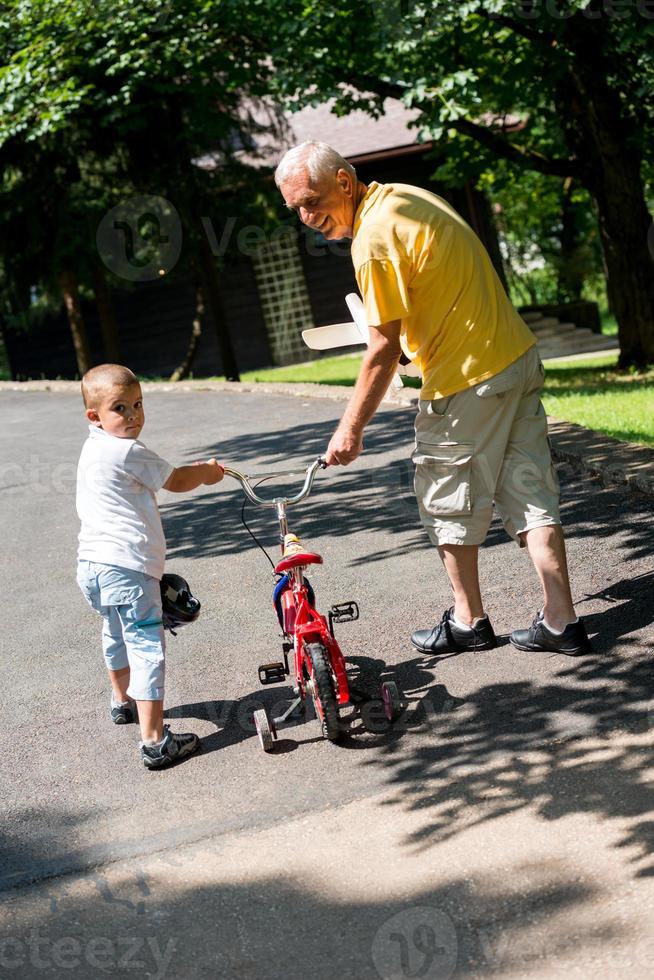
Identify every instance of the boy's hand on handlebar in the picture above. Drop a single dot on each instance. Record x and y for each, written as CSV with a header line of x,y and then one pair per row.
x,y
213,472
344,447
192,475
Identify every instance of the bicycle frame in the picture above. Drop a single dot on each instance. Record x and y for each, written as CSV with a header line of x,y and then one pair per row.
x,y
308,625
311,627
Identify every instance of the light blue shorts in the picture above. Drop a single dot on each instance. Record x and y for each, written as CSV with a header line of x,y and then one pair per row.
x,y
132,632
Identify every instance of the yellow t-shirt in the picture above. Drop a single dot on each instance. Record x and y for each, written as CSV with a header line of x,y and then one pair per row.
x,y
416,260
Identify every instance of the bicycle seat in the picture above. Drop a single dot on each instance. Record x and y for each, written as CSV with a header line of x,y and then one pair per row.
x,y
297,559
294,555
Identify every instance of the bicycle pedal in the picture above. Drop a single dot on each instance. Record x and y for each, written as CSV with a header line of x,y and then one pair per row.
x,y
272,673
344,612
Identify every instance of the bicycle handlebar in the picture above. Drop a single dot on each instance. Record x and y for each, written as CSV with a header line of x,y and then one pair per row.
x,y
244,480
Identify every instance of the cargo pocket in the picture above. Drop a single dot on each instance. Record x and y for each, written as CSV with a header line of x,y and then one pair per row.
x,y
500,383
442,478
91,595
120,595
89,588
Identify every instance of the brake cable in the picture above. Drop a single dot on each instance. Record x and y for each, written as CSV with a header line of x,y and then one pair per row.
x,y
245,524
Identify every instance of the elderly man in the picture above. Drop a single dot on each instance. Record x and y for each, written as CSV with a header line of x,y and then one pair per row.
x,y
430,290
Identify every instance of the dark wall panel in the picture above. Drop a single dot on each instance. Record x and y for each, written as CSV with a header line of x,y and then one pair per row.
x,y
154,322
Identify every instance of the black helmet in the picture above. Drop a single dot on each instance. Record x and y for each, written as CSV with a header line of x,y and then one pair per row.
x,y
179,606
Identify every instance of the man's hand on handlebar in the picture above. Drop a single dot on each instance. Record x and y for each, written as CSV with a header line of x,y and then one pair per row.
x,y
344,447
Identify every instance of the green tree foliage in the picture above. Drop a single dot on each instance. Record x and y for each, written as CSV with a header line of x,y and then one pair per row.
x,y
549,235
106,100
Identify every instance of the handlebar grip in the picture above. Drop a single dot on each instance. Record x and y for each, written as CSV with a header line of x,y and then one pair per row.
x,y
323,462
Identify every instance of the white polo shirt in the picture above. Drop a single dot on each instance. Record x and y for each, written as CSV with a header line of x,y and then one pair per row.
x,y
117,480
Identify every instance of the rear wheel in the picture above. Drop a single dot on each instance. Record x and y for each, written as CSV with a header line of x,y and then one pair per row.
x,y
265,730
321,685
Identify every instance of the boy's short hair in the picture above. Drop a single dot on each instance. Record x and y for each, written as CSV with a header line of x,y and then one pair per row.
x,y
100,379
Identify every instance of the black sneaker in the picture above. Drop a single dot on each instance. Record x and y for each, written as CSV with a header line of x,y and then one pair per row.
x,y
447,637
123,714
169,750
573,641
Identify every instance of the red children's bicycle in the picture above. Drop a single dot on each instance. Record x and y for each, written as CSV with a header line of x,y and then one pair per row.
x,y
318,664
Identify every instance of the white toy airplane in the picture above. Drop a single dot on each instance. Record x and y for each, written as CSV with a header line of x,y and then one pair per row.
x,y
355,332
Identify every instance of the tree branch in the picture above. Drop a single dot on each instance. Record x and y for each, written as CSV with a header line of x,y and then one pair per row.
x,y
528,159
499,145
541,37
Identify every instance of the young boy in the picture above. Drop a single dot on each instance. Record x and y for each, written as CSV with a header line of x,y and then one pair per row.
x,y
122,550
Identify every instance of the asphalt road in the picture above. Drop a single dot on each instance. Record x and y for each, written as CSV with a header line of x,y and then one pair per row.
x,y
502,827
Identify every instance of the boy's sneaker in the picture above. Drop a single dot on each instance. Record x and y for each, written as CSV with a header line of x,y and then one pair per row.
x,y
123,714
448,637
573,641
169,749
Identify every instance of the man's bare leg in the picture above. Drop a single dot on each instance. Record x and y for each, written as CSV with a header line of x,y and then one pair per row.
x,y
546,547
469,629
461,565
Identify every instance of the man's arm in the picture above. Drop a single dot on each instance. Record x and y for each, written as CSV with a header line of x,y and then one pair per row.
x,y
377,369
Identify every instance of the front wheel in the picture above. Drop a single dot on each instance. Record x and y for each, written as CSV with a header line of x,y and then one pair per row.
x,y
321,685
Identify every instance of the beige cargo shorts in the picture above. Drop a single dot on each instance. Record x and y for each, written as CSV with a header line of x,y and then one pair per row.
x,y
483,447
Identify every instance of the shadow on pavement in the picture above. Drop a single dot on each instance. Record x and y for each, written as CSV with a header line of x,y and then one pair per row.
x,y
552,748
365,498
278,926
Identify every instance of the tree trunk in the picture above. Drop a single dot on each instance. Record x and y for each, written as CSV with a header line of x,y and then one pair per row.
x,y
486,229
106,314
68,283
624,223
606,141
214,304
196,330
204,260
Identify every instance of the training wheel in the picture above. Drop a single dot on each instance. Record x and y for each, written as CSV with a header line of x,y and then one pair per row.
x,y
265,730
391,699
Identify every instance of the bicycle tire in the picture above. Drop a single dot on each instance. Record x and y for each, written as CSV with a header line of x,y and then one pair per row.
x,y
324,697
265,730
391,700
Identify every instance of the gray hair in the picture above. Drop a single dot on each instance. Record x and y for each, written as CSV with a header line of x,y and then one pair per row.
x,y
318,159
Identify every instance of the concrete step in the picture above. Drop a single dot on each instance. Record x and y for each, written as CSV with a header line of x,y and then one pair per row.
x,y
565,335
556,339
588,337
584,341
560,330
542,322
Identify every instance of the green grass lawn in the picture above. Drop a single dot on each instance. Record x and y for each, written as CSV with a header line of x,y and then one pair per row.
x,y
341,370
590,393
593,394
